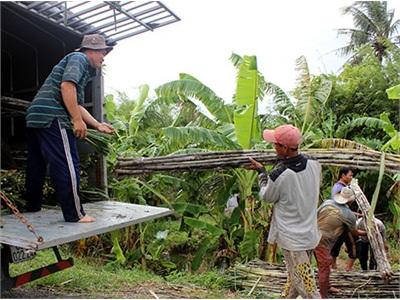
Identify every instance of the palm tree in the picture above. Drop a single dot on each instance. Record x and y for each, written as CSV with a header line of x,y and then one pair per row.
x,y
374,26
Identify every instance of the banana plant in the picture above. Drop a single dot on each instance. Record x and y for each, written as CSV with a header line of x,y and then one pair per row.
x,y
303,110
237,126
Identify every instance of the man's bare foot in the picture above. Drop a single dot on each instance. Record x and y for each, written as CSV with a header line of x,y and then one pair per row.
x,y
87,219
334,290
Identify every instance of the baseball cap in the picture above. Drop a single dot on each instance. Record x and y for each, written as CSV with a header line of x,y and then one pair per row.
x,y
287,135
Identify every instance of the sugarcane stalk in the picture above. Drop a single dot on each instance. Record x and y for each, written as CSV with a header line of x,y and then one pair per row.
x,y
362,159
273,277
374,236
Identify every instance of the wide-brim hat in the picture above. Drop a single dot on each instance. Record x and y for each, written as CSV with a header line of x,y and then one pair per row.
x,y
94,42
346,195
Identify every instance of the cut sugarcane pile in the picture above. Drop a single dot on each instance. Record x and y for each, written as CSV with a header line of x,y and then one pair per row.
x,y
361,159
271,279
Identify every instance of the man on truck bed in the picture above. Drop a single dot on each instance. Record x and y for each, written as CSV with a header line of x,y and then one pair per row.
x,y
293,186
51,137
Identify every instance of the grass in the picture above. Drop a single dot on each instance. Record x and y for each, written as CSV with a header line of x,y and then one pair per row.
x,y
93,278
85,274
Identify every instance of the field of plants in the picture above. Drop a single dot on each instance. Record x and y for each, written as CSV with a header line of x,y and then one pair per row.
x,y
219,219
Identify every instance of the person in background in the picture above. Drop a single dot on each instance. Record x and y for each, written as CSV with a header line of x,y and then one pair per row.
x,y
364,248
54,120
345,177
293,186
334,218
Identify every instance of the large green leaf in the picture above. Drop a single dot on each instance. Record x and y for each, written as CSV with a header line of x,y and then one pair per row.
x,y
394,92
387,125
249,246
117,251
187,87
201,251
183,136
139,110
200,224
110,107
194,209
311,93
246,112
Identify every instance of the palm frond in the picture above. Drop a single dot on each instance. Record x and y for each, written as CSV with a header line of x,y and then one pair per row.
x,y
236,59
360,18
279,96
191,87
181,137
370,122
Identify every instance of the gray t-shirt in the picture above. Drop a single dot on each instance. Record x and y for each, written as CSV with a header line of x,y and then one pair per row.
x,y
293,186
361,225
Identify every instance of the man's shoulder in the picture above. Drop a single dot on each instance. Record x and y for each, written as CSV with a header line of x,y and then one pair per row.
x,y
295,165
77,57
277,171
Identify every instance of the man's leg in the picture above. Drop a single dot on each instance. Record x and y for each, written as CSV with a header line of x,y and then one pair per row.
x,y
302,279
336,250
351,251
59,147
362,254
372,261
289,291
35,173
324,260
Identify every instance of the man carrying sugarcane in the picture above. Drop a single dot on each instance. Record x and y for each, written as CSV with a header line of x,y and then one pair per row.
x,y
334,218
293,186
51,137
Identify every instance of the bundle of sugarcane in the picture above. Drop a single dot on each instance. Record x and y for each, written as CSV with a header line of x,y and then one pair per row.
x,y
260,277
374,236
361,159
14,103
100,141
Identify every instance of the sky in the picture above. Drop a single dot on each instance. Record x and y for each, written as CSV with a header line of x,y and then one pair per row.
x,y
277,32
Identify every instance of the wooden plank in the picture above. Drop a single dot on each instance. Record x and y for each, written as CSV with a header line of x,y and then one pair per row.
x,y
50,224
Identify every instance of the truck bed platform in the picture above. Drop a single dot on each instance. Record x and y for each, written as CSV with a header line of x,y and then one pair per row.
x,y
50,224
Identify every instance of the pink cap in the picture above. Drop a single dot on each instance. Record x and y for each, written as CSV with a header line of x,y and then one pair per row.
x,y
286,135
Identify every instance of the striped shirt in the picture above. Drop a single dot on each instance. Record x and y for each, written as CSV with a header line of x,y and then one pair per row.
x,y
48,103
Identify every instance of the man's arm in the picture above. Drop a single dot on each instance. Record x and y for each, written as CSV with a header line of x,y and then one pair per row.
x,y
68,92
92,122
358,232
268,191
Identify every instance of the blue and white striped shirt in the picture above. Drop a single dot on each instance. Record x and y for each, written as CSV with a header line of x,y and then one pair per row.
x,y
48,103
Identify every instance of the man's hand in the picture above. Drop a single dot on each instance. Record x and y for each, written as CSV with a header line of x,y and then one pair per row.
x,y
104,127
255,165
80,128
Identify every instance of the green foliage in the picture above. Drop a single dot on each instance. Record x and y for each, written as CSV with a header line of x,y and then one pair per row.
x,y
374,27
188,86
359,91
210,280
179,137
393,92
249,246
188,117
246,113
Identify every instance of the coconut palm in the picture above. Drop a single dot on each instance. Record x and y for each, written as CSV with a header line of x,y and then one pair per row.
x,y
374,26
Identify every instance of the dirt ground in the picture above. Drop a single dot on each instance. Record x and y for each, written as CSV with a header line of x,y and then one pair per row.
x,y
148,290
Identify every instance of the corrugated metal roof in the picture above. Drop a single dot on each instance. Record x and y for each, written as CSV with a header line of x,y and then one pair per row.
x,y
116,20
